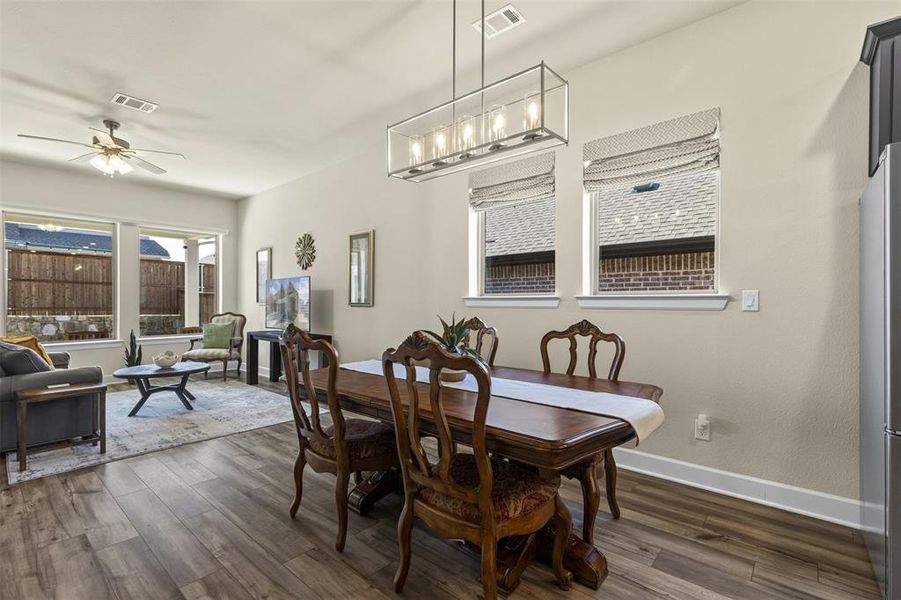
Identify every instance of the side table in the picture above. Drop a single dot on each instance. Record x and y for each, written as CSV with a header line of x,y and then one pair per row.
x,y
44,394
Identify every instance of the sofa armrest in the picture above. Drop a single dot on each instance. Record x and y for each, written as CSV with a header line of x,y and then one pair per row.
x,y
14,383
60,359
194,341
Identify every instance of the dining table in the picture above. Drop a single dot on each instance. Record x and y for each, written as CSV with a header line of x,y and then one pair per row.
x,y
546,437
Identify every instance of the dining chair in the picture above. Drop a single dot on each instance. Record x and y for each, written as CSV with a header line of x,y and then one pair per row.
x,y
586,471
347,445
482,331
464,496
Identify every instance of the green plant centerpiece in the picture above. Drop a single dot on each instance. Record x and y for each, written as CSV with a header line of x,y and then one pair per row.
x,y
134,354
455,340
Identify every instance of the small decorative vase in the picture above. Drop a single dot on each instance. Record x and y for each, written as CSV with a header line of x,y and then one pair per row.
x,y
452,375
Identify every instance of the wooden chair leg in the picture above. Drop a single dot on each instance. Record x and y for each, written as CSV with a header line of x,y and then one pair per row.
x,y
342,480
405,543
562,526
299,465
489,565
225,370
239,368
591,498
610,480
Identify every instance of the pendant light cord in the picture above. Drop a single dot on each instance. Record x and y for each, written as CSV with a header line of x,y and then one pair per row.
x,y
454,53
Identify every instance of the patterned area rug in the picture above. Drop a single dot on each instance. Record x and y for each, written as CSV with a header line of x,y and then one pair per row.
x,y
221,408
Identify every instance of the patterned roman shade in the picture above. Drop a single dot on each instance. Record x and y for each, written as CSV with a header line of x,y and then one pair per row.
x,y
515,183
684,145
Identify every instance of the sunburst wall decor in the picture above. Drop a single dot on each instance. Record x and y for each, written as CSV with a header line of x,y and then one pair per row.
x,y
305,250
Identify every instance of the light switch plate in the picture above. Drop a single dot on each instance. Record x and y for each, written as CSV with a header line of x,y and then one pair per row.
x,y
750,300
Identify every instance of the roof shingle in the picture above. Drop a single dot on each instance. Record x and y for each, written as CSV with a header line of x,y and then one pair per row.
x,y
17,235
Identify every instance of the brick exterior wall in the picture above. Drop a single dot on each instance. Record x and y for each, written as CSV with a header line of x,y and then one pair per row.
x,y
690,271
529,278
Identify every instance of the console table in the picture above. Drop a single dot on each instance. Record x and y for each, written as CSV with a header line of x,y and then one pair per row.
x,y
275,356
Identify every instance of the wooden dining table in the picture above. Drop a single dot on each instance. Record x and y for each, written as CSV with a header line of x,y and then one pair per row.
x,y
546,437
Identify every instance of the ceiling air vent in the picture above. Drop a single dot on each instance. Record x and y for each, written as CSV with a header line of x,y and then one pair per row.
x,y
133,103
499,21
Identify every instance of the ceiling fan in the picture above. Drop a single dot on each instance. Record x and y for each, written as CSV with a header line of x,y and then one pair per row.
x,y
110,154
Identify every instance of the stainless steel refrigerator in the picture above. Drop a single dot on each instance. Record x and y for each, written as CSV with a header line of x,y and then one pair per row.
x,y
880,370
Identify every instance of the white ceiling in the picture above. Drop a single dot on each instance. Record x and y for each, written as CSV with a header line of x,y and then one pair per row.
x,y
259,93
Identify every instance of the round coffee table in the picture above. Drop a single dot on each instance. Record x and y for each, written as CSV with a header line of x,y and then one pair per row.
x,y
142,374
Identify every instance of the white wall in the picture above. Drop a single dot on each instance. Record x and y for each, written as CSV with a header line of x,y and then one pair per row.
x,y
781,384
130,203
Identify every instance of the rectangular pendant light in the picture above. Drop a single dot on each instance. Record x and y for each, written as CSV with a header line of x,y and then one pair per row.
x,y
525,112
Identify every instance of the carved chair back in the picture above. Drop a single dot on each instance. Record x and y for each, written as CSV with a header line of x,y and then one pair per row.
x,y
483,331
295,346
593,332
407,408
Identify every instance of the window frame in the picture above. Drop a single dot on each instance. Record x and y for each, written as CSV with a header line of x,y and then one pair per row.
x,y
63,345
593,297
476,297
176,231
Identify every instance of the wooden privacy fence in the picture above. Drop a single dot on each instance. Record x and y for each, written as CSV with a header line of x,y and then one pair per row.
x,y
53,283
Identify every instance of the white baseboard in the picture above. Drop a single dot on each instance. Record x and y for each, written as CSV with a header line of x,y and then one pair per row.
x,y
835,509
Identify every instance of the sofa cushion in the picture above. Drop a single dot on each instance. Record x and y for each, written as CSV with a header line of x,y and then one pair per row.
x,y
29,341
22,362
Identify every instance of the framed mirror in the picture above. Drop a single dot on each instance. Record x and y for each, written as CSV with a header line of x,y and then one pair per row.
x,y
264,272
360,268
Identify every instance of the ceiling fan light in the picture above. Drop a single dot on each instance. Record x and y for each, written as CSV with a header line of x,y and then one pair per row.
x,y
125,168
101,162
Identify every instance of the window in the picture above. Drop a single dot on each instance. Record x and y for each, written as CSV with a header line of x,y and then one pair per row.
x,y
659,236
516,211
60,278
178,281
655,196
519,249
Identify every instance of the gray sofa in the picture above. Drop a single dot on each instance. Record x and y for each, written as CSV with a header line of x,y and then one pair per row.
x,y
53,421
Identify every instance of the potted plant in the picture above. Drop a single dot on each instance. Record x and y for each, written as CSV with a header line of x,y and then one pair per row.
x,y
454,340
134,354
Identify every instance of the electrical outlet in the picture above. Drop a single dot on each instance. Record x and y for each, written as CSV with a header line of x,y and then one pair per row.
x,y
702,428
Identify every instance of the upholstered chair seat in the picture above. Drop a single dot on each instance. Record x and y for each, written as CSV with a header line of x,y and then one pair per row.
x,y
364,439
208,354
517,491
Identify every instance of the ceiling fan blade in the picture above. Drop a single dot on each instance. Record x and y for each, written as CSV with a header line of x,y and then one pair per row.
x,y
173,154
84,157
40,137
146,165
104,138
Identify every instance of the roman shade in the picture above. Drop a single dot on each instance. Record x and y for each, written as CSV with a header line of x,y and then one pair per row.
x,y
515,183
686,144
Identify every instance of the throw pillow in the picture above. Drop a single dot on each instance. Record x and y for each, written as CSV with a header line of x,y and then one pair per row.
x,y
217,335
29,341
22,362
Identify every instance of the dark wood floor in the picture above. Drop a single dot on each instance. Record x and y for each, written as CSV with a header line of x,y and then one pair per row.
x,y
210,520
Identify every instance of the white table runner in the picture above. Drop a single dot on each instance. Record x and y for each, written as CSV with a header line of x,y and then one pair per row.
x,y
643,415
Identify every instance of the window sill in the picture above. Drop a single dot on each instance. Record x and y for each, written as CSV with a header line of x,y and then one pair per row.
x,y
512,301
160,340
82,345
655,301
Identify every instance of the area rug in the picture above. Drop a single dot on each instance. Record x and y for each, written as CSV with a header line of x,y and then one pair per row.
x,y
221,408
